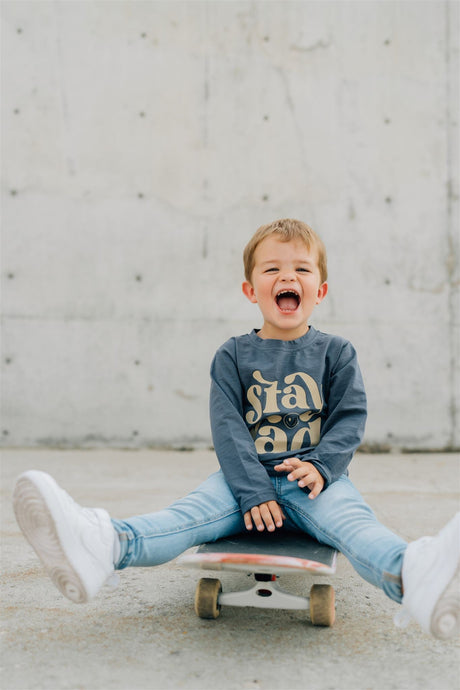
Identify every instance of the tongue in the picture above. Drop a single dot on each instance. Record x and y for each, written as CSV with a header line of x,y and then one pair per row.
x,y
287,303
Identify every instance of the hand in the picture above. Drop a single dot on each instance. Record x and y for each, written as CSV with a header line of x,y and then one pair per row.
x,y
264,515
305,473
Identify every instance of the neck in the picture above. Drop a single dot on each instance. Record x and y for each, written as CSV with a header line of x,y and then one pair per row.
x,y
267,333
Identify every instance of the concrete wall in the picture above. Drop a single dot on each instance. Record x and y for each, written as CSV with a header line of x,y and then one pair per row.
x,y
144,142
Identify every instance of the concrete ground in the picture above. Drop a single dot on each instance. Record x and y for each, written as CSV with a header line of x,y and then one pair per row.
x,y
145,635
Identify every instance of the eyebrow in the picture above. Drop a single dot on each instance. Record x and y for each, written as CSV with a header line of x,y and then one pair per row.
x,y
308,262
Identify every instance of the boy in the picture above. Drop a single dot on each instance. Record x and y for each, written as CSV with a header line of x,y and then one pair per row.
x,y
288,410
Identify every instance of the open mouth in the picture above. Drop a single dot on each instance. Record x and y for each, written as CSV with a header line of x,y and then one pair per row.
x,y
287,300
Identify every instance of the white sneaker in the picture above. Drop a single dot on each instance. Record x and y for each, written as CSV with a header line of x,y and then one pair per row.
x,y
75,544
431,580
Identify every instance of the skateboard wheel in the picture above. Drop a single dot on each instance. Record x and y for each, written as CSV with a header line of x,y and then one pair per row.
x,y
322,605
207,598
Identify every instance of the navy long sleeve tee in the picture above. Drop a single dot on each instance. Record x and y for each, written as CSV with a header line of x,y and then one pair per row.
x,y
276,399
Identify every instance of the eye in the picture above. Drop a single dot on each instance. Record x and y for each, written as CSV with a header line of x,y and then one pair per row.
x,y
273,269
301,269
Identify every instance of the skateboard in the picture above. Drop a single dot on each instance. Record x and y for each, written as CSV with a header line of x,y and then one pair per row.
x,y
265,555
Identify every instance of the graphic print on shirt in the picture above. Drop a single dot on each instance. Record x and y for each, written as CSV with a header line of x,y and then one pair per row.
x,y
284,416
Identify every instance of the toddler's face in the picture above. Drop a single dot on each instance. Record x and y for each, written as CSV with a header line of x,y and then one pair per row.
x,y
286,285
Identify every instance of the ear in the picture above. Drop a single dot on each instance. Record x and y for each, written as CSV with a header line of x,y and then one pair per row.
x,y
322,292
249,292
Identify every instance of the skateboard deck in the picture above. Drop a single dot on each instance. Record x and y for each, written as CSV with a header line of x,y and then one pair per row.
x,y
266,556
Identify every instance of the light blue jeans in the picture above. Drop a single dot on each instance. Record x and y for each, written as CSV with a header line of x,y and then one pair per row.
x,y
338,517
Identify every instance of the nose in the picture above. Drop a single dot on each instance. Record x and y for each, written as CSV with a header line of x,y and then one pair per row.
x,y
288,276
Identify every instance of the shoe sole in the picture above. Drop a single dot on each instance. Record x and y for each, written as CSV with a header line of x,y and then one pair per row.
x,y
445,619
37,524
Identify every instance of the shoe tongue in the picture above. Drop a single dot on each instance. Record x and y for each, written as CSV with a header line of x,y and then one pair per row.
x,y
287,302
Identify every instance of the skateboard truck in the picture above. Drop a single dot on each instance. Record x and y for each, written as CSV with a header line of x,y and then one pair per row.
x,y
270,561
265,594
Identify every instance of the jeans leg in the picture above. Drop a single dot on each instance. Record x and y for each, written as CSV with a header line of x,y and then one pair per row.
x,y
208,513
340,517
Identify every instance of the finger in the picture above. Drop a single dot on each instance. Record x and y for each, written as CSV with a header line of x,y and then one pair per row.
x,y
301,473
315,489
295,462
308,479
247,520
257,519
277,513
267,516
285,466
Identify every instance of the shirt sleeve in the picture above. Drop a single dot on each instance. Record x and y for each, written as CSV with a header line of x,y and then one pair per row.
x,y
343,428
247,477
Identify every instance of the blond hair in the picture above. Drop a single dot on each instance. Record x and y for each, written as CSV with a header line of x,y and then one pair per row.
x,y
287,229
